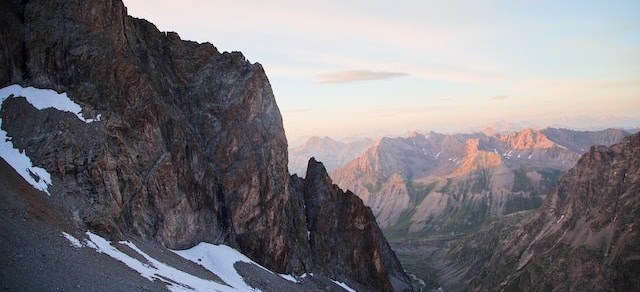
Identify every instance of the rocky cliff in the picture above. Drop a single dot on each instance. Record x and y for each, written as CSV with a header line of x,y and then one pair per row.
x,y
343,234
583,238
585,235
189,147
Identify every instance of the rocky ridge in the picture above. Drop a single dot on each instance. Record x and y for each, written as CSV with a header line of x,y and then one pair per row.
x,y
190,147
343,233
435,184
332,153
584,237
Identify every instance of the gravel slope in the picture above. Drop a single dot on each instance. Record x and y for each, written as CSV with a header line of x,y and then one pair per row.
x,y
34,255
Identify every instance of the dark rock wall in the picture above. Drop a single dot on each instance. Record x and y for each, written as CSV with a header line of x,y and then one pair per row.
x,y
343,234
190,147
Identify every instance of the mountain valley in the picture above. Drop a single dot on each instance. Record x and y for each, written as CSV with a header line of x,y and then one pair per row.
x,y
447,185
134,160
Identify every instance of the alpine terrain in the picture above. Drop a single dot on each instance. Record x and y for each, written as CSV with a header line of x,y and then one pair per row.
x,y
332,153
583,238
448,185
134,160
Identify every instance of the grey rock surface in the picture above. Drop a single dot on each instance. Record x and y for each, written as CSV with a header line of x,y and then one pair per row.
x,y
190,146
584,237
344,237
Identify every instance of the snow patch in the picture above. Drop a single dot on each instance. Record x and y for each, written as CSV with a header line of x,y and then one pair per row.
x,y
219,259
343,285
153,269
74,241
289,278
38,177
41,99
46,98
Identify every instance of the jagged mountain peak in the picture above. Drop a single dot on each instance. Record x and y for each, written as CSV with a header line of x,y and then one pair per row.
x,y
343,234
407,180
190,147
316,170
527,139
586,225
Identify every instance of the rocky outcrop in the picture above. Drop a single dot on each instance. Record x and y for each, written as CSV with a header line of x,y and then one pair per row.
x,y
585,235
190,146
343,234
435,184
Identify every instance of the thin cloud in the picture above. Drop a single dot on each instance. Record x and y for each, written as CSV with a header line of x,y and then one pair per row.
x,y
356,75
500,97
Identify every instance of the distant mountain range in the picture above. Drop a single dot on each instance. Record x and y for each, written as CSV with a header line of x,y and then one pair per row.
x,y
332,153
436,184
587,225
583,238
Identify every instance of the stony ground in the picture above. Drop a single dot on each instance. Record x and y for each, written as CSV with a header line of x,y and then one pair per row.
x,y
34,256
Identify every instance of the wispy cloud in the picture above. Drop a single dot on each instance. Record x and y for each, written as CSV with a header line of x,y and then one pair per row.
x,y
500,97
356,75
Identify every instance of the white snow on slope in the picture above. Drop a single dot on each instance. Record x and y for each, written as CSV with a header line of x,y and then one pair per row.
x,y
45,98
38,177
219,259
74,241
343,285
289,278
152,269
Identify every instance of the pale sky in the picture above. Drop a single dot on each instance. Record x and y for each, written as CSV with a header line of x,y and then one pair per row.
x,y
355,68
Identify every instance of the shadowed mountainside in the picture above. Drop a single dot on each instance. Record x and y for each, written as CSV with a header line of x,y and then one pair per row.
x,y
189,146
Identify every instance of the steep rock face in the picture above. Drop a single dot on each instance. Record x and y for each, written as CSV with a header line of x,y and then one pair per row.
x,y
343,234
190,146
584,237
426,184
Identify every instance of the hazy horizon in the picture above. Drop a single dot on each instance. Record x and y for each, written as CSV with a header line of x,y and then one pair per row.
x,y
371,68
